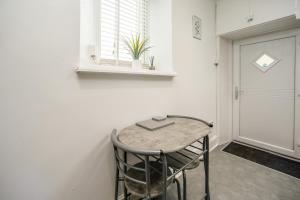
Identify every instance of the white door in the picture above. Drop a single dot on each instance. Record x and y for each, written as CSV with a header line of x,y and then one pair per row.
x,y
265,93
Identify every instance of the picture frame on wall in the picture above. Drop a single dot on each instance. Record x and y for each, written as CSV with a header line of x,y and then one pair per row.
x,y
196,24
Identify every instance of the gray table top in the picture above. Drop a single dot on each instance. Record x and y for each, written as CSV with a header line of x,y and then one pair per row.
x,y
168,139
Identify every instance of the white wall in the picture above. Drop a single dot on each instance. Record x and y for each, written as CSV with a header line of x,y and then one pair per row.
x,y
224,90
298,9
55,124
194,59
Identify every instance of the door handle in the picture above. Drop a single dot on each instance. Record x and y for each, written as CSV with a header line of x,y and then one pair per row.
x,y
236,92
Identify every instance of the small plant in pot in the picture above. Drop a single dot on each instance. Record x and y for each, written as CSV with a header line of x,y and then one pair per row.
x,y
151,59
137,46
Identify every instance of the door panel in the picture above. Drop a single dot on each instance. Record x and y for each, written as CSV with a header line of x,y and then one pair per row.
x,y
266,105
267,98
297,102
298,9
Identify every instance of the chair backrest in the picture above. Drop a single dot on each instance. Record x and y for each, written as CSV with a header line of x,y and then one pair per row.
x,y
142,154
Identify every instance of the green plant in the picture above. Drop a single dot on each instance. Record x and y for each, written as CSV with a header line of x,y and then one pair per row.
x,y
137,46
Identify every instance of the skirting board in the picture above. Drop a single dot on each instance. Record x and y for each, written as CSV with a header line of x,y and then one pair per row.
x,y
213,143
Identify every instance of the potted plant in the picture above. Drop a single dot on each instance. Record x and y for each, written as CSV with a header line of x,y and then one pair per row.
x,y
137,46
151,59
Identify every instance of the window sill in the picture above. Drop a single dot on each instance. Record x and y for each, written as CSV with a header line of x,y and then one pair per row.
x,y
123,70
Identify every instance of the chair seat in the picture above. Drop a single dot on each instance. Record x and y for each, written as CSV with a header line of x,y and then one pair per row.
x,y
178,159
156,180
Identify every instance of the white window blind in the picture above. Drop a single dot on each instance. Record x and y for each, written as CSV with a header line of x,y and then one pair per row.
x,y
119,20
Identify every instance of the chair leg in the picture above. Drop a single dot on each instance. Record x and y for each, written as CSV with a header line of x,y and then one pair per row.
x,y
125,170
206,168
184,184
178,189
165,176
117,184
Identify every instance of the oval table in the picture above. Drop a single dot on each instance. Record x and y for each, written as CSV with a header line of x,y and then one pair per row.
x,y
173,138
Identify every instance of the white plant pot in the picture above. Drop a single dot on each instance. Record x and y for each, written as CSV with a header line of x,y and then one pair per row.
x,y
136,65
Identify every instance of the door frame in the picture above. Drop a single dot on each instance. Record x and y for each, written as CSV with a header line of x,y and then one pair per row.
x,y
236,93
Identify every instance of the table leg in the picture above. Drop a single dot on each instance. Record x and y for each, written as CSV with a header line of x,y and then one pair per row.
x,y
125,170
117,184
165,176
206,167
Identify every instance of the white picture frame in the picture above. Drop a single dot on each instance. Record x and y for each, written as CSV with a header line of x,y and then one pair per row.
x,y
197,27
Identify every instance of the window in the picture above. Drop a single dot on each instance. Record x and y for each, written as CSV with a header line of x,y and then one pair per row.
x,y
104,24
265,62
119,20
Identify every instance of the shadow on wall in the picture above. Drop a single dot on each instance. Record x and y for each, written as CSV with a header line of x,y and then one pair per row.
x,y
91,173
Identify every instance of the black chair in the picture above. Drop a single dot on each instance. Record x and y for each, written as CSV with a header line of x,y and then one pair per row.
x,y
148,178
189,158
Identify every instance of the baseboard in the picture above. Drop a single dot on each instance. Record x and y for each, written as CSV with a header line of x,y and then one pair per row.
x,y
224,141
213,142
